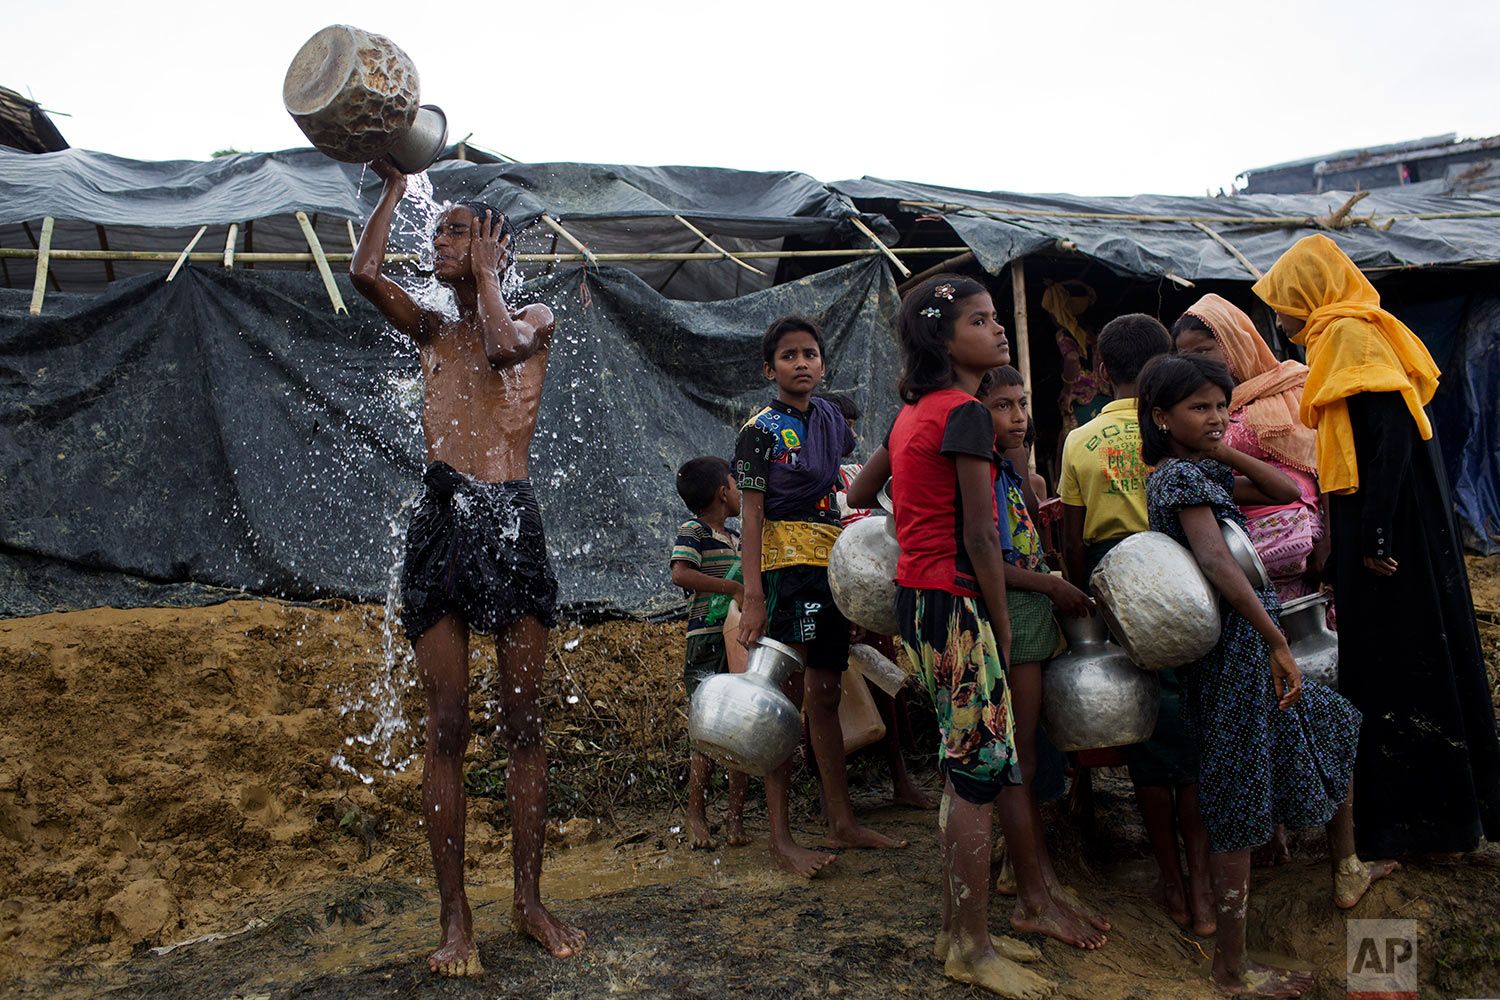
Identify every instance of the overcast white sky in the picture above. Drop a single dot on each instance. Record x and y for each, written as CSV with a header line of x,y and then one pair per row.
x,y
1088,97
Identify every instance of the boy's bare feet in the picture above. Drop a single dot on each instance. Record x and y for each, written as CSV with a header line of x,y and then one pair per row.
x,y
1057,921
1173,900
1005,947
1261,981
1351,877
456,956
1005,882
996,974
536,922
699,834
1071,901
860,836
799,860
738,838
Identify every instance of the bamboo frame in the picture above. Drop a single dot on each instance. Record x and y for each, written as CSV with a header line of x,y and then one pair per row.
x,y
1234,250
943,265
1249,220
322,261
870,234
353,240
26,228
109,265
557,228
234,231
250,257
182,257
1023,334
704,237
43,255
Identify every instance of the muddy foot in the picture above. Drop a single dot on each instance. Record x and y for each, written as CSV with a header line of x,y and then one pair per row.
x,y
1058,922
1274,852
861,836
1005,947
455,959
1205,922
1351,877
1005,882
1071,901
801,861
998,975
913,797
738,838
699,834
557,937
1172,900
1262,981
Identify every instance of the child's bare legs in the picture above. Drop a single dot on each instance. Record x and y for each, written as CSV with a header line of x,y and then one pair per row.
x,y
1005,947
785,852
699,769
520,649
443,664
904,791
1195,844
823,690
1351,876
1233,971
1043,904
1159,814
734,815
965,845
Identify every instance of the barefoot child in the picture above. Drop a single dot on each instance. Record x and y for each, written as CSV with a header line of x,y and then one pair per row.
x,y
787,464
704,558
1273,748
951,599
475,554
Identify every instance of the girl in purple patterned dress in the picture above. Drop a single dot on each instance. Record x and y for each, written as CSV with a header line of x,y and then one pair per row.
x,y
1272,748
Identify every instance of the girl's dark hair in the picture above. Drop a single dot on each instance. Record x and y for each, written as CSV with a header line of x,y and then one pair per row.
x,y
1186,322
1167,380
789,324
924,327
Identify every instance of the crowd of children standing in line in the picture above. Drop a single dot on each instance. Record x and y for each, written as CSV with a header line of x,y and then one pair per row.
x,y
1244,746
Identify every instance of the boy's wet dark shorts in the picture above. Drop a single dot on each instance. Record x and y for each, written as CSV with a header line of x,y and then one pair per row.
x,y
476,550
705,657
800,608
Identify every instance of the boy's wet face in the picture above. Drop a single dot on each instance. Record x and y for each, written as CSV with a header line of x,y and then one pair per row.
x,y
1007,406
450,244
797,365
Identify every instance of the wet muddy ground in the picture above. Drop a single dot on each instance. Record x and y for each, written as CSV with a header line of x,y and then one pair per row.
x,y
170,774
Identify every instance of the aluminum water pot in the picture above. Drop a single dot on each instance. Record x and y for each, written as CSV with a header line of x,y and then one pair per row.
x,y
1092,695
1314,646
743,721
862,574
1158,603
352,92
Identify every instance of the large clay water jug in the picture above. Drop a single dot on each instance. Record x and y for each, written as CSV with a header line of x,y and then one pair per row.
x,y
743,721
862,574
353,93
1093,695
1314,646
1159,605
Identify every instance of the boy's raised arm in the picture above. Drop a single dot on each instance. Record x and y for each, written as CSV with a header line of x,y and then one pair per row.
x,y
364,268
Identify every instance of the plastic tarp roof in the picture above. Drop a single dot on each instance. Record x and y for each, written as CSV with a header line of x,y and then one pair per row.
x,y
1001,226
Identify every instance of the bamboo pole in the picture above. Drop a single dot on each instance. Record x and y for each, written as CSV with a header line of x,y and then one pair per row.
x,y
249,257
1178,279
26,227
182,257
353,241
1233,250
109,265
870,234
729,256
43,253
943,265
1023,333
234,230
322,261
557,228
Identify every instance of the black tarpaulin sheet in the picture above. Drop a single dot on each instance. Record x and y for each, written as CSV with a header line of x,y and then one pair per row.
x,y
226,430
1154,249
1466,411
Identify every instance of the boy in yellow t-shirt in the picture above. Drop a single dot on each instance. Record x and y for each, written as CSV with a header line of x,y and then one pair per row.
x,y
1103,483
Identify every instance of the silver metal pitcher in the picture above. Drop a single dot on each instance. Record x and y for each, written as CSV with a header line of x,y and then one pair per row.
x,y
1158,603
1314,645
862,574
1093,695
743,721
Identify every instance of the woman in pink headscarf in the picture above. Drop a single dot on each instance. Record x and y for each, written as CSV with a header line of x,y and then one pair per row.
x,y
1292,539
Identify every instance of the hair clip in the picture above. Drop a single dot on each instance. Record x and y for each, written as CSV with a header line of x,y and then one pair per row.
x,y
932,312
944,292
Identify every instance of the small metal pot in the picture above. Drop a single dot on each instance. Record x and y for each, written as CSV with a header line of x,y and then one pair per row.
x,y
862,574
1158,603
1092,695
417,147
1244,554
743,721
1314,646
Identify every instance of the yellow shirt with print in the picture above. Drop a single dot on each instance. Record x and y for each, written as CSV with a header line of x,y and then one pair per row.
x,y
1102,472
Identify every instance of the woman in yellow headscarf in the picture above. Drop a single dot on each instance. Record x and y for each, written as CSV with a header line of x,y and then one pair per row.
x,y
1265,423
1427,778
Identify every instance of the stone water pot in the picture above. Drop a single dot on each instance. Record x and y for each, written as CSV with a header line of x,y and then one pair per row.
x,y
1092,695
355,94
1314,645
743,721
1159,605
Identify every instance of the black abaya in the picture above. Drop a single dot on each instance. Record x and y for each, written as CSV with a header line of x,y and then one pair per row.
x,y
1427,779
